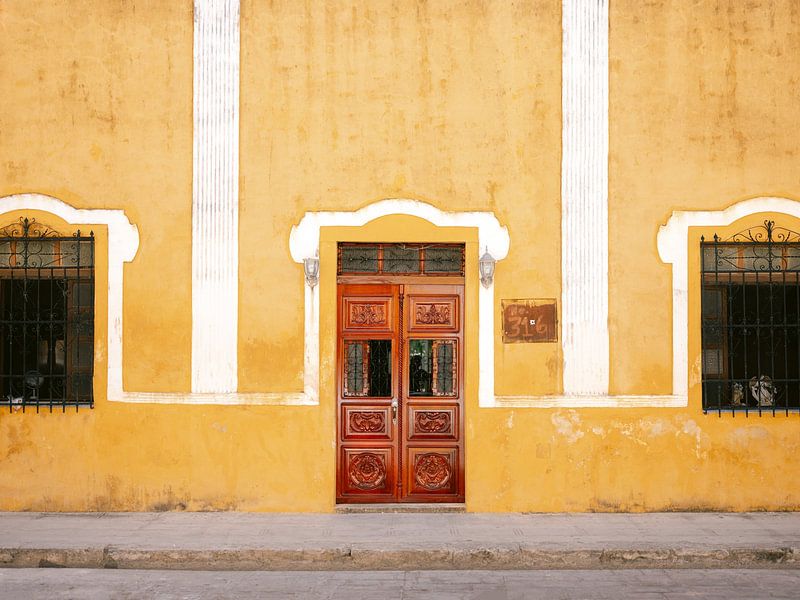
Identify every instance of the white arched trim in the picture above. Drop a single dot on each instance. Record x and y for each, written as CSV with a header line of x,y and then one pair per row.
x,y
304,238
304,243
673,248
123,242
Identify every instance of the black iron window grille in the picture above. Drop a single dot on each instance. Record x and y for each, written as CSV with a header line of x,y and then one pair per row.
x,y
432,368
750,305
368,368
401,259
46,317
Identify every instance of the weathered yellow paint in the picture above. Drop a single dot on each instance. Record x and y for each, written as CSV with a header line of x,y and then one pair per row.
x,y
98,113
701,115
344,103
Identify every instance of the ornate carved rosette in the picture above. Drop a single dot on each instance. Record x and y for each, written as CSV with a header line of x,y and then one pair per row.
x,y
367,314
367,421
367,471
432,471
433,314
432,421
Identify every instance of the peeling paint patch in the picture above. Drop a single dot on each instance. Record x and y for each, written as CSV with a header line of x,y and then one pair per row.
x,y
567,424
745,436
693,429
655,428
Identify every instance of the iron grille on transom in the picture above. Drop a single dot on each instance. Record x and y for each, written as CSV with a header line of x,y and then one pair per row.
x,y
401,259
750,306
46,317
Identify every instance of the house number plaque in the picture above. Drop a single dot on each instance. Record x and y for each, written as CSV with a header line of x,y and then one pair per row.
x,y
529,321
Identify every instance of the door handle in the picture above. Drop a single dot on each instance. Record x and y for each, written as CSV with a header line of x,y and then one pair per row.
x,y
394,411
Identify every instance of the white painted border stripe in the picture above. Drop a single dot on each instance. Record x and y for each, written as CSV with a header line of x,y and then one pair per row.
x,y
642,401
584,198
215,197
123,243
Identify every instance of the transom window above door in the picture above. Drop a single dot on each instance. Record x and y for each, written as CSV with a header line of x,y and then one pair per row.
x,y
400,259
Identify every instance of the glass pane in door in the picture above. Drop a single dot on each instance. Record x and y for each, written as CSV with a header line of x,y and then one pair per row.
x,y
432,367
368,368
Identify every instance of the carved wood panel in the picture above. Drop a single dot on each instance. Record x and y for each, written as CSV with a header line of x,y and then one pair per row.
x,y
433,471
434,422
434,313
366,422
367,471
373,314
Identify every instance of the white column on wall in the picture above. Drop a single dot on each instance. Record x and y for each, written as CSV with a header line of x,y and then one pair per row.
x,y
584,197
215,196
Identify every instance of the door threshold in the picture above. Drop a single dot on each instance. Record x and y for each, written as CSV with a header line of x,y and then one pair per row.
x,y
399,507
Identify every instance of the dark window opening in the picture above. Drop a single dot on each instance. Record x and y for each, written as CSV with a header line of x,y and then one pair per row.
x,y
750,306
368,368
46,317
432,367
401,259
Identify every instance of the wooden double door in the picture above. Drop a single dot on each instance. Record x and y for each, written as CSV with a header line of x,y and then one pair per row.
x,y
400,393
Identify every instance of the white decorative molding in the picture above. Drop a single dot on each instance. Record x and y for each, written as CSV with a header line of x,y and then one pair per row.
x,y
605,401
304,237
304,243
673,248
584,198
215,197
235,398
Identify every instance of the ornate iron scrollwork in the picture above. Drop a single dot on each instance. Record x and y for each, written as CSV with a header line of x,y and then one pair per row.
x,y
762,234
28,228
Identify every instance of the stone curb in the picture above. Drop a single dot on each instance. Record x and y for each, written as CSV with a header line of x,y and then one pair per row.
x,y
354,559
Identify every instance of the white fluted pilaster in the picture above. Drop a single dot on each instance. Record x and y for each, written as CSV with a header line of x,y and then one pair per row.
x,y
584,197
215,196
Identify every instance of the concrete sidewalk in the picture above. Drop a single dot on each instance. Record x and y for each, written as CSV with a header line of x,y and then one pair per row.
x,y
416,541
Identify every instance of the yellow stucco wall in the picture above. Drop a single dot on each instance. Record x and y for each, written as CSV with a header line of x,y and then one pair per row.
x,y
702,114
345,103
98,113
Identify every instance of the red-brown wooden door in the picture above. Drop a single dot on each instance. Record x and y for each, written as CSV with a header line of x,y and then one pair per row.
x,y
400,393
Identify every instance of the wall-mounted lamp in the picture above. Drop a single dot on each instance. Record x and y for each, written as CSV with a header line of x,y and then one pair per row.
x,y
311,269
486,267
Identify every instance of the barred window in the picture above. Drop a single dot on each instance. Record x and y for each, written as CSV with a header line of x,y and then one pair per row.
x,y
750,304
46,317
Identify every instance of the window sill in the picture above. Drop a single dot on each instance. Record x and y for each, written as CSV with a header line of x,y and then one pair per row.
x,y
254,399
574,401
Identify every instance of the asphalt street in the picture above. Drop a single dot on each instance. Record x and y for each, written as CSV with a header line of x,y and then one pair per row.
x,y
671,584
